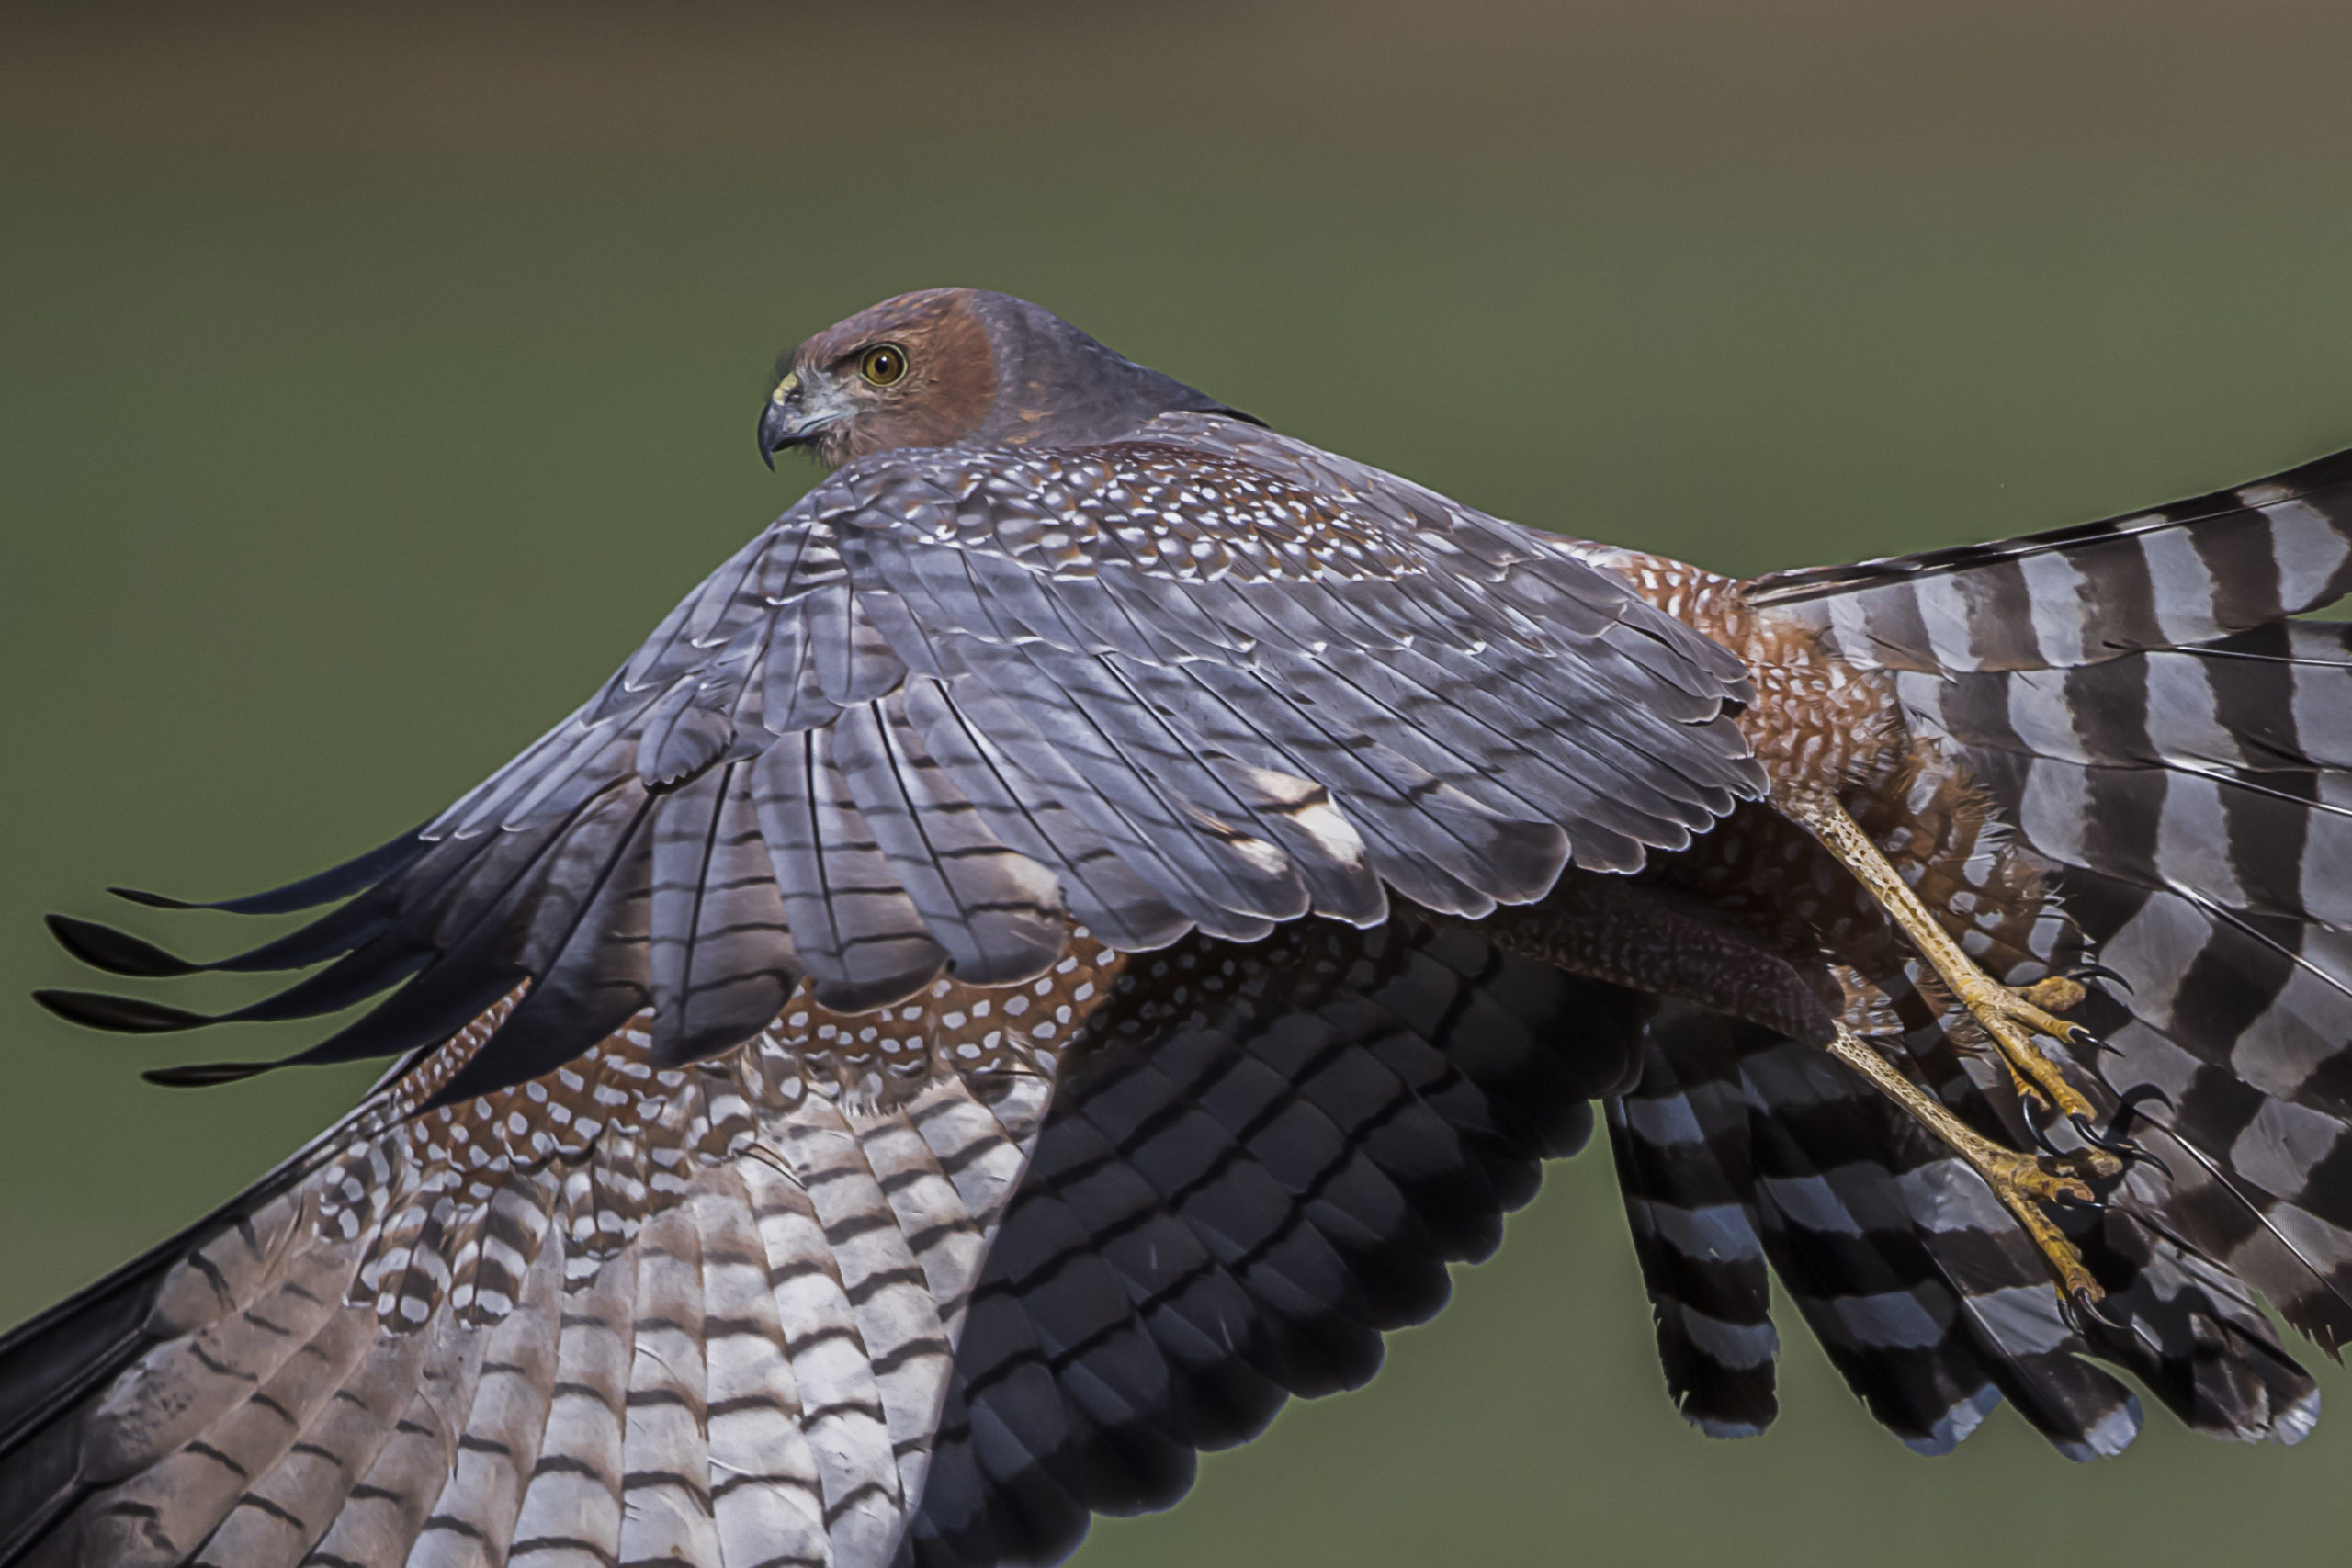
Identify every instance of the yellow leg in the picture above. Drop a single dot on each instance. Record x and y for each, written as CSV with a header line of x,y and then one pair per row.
x,y
2006,1015
2021,1182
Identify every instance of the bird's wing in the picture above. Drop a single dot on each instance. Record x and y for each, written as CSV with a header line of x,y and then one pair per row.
x,y
1231,1206
1207,677
773,1307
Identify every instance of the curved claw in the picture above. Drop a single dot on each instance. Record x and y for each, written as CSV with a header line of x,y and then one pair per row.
x,y
2127,1113
2077,1306
2113,1141
2117,1141
2042,1139
2067,1202
2076,1035
2096,971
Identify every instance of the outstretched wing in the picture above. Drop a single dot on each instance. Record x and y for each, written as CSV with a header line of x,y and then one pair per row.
x,y
1235,1195
773,1306
1206,679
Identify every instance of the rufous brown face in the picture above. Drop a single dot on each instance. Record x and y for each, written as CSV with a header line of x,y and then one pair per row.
x,y
917,370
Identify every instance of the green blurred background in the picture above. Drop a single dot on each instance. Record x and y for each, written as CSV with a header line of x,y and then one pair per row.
x,y
371,379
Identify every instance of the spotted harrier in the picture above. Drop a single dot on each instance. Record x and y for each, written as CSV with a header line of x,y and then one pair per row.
x,y
1056,945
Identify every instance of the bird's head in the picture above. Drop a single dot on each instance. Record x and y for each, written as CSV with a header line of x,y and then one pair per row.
x,y
949,365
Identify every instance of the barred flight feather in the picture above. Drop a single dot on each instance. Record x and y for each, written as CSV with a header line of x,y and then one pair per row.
x,y
1171,1268
814,1299
623,1310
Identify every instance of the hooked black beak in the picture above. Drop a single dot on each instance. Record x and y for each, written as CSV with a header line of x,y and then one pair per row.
x,y
781,424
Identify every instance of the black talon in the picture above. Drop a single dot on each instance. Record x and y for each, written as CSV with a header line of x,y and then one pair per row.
x,y
2096,971
2077,1035
2119,1140
2113,1141
2042,1139
2078,1305
2128,1114
2130,1152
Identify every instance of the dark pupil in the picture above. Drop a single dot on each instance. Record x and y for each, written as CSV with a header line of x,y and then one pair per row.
x,y
885,366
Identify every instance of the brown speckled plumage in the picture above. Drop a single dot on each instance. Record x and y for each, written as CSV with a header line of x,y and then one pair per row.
x,y
1056,946
1816,716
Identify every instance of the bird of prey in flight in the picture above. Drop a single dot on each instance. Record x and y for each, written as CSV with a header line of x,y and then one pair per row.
x,y
1056,944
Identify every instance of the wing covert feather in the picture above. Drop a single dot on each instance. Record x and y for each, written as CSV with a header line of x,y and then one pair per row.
x,y
1203,677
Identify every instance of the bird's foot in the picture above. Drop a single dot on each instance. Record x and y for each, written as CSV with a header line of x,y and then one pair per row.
x,y
2026,1184
2056,993
2012,1018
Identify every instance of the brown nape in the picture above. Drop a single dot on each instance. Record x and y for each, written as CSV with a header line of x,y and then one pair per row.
x,y
946,394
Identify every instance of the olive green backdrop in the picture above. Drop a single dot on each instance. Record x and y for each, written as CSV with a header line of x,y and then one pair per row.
x,y
369,384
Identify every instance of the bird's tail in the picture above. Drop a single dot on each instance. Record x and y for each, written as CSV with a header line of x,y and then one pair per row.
x,y
2134,715
2147,708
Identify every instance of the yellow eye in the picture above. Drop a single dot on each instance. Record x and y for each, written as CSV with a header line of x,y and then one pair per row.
x,y
883,363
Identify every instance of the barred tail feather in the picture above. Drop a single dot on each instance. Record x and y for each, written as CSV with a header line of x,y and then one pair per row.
x,y
2215,892
2180,575
1680,1137
1913,1279
2159,732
